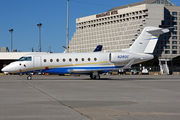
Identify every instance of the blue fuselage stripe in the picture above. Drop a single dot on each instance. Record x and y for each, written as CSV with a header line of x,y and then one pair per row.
x,y
65,70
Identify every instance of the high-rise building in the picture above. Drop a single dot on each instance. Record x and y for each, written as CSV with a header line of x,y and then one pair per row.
x,y
119,27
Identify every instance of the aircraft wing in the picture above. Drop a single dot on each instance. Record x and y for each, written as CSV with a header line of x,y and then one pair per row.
x,y
127,66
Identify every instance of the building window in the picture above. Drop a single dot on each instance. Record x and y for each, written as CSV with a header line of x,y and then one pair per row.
x,y
167,18
174,37
167,42
174,13
167,37
167,47
167,13
174,47
159,47
174,52
167,23
167,51
174,18
159,51
174,23
174,32
174,42
175,28
159,42
168,33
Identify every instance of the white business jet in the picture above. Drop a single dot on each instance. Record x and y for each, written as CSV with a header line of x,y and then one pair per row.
x,y
90,63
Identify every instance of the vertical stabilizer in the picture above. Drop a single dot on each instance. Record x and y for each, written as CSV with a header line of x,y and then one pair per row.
x,y
147,40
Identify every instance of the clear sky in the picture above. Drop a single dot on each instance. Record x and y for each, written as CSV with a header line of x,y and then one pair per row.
x,y
24,15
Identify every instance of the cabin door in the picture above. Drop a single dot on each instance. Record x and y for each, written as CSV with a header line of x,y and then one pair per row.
x,y
110,57
37,63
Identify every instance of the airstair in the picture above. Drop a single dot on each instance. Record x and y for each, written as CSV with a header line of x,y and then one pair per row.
x,y
164,69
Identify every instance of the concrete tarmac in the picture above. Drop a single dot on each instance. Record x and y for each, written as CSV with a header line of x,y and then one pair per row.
x,y
117,97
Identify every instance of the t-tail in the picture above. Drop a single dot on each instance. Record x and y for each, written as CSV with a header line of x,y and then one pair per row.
x,y
147,40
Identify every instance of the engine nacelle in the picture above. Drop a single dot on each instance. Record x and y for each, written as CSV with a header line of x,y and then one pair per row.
x,y
120,57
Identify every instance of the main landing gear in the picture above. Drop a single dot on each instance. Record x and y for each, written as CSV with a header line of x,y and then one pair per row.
x,y
29,77
95,75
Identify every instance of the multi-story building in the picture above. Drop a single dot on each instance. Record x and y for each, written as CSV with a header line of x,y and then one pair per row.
x,y
119,27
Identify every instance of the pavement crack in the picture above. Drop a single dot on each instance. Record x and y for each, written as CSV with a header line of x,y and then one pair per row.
x,y
54,98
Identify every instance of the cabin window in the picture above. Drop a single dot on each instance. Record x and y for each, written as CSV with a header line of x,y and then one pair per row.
x,y
45,60
51,60
64,60
70,59
76,59
82,59
95,59
89,59
57,60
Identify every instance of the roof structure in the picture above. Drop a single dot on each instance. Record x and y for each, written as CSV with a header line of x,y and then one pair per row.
x,y
165,2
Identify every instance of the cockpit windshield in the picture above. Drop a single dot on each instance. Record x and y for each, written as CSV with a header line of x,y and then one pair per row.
x,y
24,59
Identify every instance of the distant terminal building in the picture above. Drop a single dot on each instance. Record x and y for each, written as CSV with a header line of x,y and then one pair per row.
x,y
4,49
119,27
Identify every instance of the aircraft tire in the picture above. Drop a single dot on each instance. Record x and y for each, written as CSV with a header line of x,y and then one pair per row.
x,y
97,77
29,77
91,76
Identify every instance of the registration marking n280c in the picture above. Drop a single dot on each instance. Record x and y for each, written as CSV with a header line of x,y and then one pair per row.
x,y
123,56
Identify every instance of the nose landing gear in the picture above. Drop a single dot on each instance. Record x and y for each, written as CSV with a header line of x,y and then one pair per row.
x,y
29,77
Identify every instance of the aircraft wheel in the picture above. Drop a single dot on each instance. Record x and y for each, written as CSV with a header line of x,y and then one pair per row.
x,y
29,77
91,76
97,77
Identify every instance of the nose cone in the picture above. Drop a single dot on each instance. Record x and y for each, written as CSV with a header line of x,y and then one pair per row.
x,y
5,69
12,67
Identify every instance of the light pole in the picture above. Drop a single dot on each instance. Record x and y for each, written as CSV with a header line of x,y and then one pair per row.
x,y
11,30
67,26
39,25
